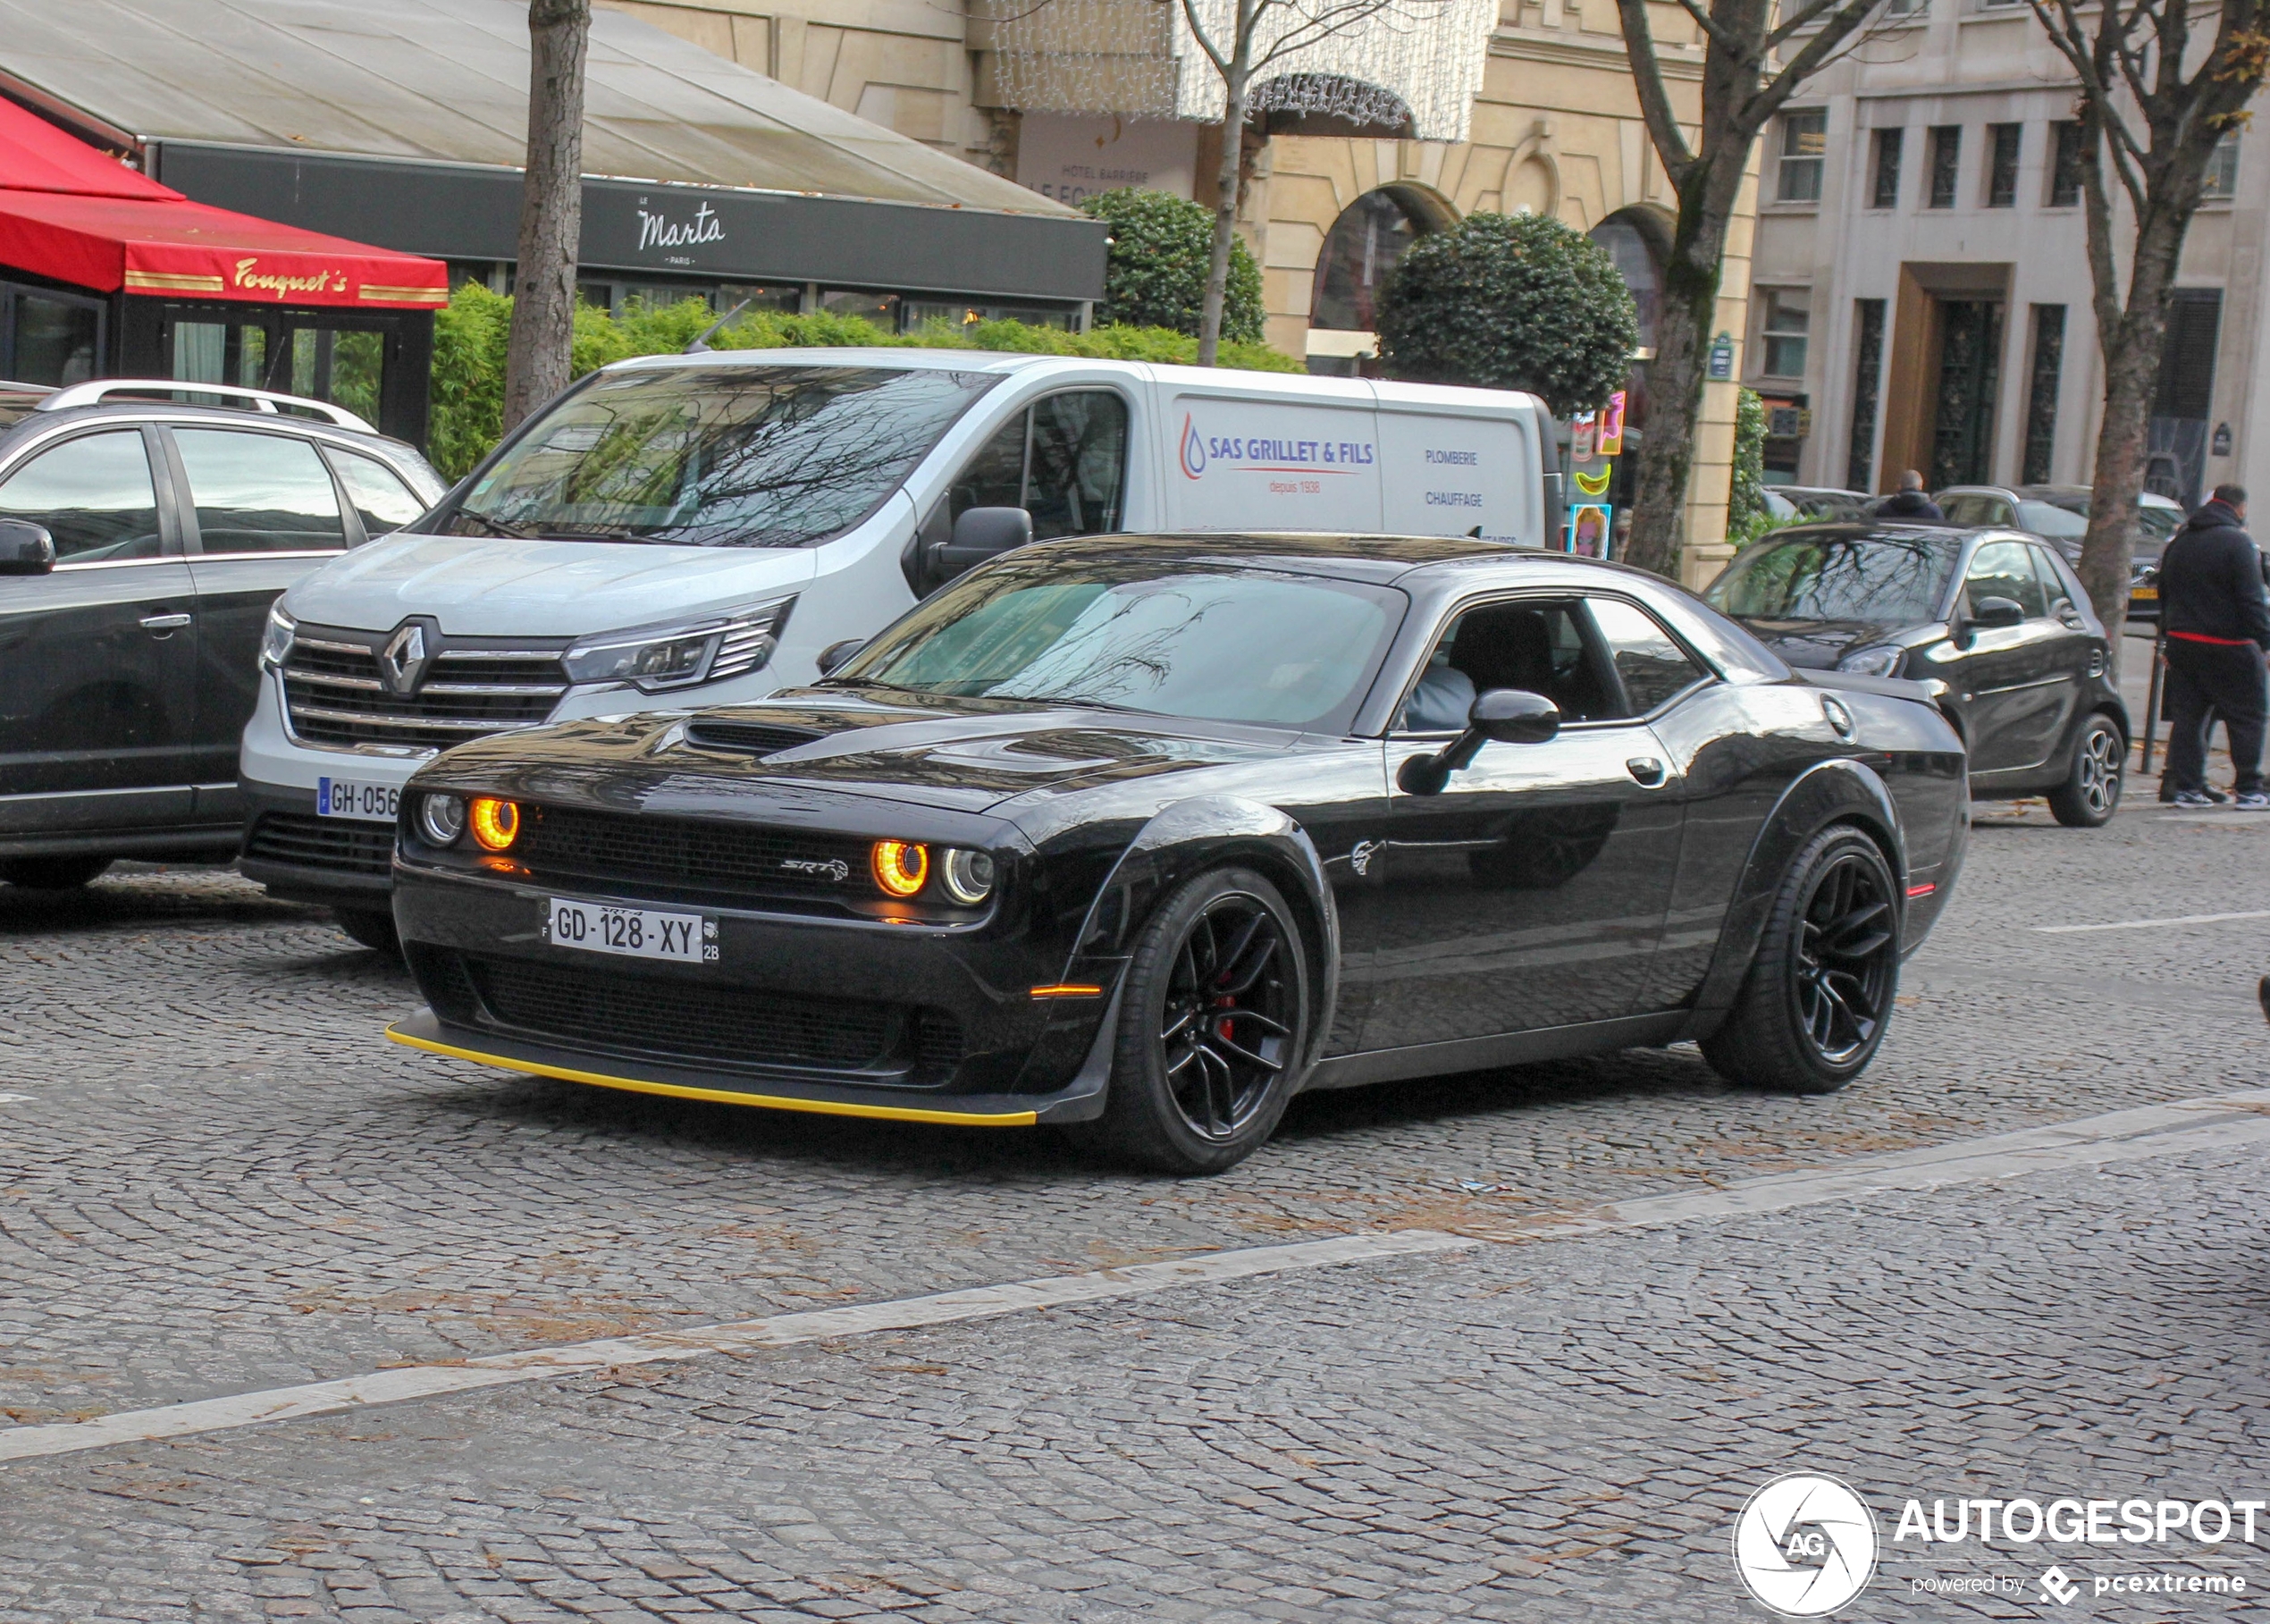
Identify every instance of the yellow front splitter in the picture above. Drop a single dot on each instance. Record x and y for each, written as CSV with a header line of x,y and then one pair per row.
x,y
730,1096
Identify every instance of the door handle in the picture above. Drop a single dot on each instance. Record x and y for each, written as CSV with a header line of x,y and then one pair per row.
x,y
159,625
1646,768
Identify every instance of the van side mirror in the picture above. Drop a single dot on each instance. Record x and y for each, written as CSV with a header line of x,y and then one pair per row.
x,y
979,535
1498,716
26,548
837,654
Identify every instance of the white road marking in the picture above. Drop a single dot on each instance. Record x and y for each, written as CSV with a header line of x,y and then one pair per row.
x,y
2212,1123
2150,924
16,1099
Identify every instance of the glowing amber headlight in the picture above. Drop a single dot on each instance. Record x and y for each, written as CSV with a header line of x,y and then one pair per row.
x,y
901,867
495,823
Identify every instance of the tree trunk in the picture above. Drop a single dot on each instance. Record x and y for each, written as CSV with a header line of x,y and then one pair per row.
x,y
1676,377
551,208
1228,184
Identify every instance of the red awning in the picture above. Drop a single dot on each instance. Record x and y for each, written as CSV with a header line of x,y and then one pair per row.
x,y
71,213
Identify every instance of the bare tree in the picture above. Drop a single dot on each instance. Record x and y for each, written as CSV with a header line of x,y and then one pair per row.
x,y
551,208
2160,128
1252,35
1744,85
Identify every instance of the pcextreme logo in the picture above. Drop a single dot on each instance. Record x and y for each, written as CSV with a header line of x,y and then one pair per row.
x,y
1804,1544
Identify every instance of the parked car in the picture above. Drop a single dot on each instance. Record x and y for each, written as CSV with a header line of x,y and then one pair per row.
x,y
1817,501
2059,514
142,539
694,529
1143,836
1993,622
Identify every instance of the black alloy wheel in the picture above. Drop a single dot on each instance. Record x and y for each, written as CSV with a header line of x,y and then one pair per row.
x,y
2090,794
1214,1022
53,873
1818,1001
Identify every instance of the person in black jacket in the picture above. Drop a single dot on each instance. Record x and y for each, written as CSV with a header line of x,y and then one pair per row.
x,y
2217,618
1911,506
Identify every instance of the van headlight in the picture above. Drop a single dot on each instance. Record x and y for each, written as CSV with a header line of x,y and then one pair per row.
x,y
657,659
275,641
1872,662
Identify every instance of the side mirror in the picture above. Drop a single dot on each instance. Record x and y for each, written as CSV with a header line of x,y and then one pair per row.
x,y
837,653
981,535
26,548
1991,614
1499,715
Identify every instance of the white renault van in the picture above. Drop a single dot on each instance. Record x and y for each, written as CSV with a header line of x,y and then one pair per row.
x,y
697,530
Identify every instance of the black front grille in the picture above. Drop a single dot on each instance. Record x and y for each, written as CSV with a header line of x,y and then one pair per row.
x,y
569,842
321,843
735,1026
751,738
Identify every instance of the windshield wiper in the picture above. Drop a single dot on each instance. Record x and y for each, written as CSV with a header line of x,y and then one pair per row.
x,y
495,526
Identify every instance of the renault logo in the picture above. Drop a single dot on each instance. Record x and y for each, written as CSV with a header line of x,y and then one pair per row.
x,y
402,661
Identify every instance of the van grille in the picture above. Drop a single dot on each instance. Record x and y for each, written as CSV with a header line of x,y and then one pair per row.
x,y
335,692
734,1026
310,841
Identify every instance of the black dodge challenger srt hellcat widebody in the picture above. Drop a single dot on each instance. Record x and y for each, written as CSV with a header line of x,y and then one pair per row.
x,y
1141,836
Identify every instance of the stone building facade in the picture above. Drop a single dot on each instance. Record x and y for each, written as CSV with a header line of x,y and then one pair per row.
x,y
1921,294
1057,103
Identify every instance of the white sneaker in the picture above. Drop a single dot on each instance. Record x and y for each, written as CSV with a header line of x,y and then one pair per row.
x,y
2191,798
2257,802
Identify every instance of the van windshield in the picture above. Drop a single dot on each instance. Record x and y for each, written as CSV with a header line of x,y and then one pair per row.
x,y
719,456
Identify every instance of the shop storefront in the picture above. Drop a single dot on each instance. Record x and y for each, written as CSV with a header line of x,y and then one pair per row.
x,y
106,272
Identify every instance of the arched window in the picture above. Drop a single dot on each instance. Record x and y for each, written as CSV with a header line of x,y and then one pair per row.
x,y
1362,247
1633,242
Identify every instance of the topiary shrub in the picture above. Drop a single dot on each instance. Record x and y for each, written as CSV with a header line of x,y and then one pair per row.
x,y
1157,274
1510,301
1747,517
470,334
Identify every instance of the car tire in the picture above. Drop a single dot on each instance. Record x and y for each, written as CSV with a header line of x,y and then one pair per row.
x,y
2090,794
53,873
373,928
1814,1008
1213,1022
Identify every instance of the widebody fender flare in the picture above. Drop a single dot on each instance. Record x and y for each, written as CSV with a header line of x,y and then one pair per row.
x,y
1840,791
1186,839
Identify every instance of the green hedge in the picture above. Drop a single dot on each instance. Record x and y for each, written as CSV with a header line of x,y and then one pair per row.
x,y
471,334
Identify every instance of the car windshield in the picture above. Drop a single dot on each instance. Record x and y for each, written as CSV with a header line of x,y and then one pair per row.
x,y
2153,523
1893,576
718,456
1170,639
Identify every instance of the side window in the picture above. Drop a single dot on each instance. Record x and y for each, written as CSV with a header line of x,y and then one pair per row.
x,y
1648,661
382,501
1541,647
259,493
995,476
2004,570
1975,509
95,495
1079,464
2054,592
1064,460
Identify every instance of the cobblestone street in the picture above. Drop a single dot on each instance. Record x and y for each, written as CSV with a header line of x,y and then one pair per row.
x,y
216,1178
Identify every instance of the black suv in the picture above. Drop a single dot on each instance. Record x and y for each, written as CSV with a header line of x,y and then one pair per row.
x,y
143,535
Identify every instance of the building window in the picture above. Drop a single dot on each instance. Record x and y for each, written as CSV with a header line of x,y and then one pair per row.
x,y
1804,146
1886,191
2067,164
2002,165
1860,460
1947,163
1908,8
2222,180
2041,393
1787,312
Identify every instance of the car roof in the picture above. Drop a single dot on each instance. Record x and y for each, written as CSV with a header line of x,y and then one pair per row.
x,y
32,421
1380,559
